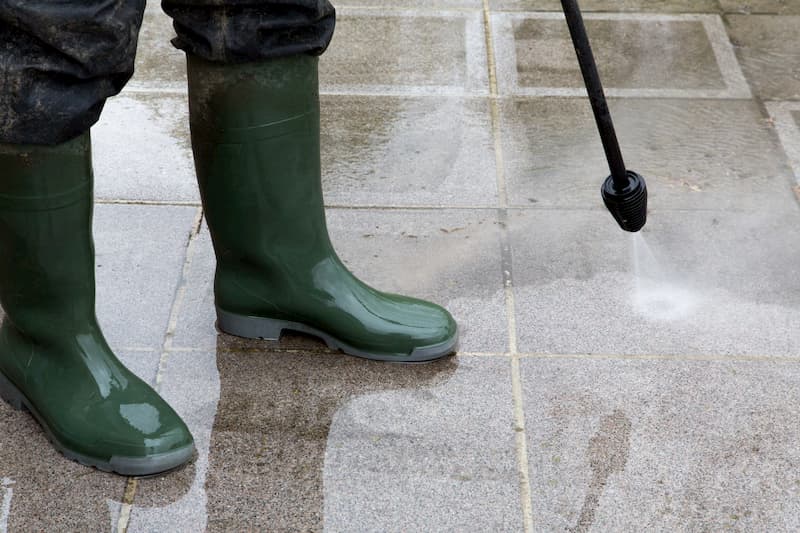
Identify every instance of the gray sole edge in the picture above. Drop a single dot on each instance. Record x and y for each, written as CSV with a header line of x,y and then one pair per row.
x,y
250,327
126,466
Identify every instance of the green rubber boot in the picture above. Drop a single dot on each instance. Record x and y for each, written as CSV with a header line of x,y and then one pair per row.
x,y
54,360
255,136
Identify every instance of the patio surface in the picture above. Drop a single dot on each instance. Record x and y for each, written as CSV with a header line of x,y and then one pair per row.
x,y
462,165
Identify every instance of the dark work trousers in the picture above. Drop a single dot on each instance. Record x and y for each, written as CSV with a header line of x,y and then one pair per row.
x,y
61,59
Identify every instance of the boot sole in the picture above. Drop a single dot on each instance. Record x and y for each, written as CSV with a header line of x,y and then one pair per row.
x,y
126,466
250,327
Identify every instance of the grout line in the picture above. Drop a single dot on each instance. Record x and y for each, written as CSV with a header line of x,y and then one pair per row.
x,y
763,358
508,285
677,358
502,192
130,491
175,203
177,305
522,446
408,91
438,207
127,505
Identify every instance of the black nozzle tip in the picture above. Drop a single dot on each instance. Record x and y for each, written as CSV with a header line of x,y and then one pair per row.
x,y
628,205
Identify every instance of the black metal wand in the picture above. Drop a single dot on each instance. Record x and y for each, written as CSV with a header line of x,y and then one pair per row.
x,y
624,192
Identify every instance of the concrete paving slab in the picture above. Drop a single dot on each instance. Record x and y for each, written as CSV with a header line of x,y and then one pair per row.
x,y
284,438
143,363
785,117
159,65
546,57
389,151
717,283
693,154
139,256
177,501
776,7
654,6
40,490
639,55
451,257
769,52
411,59
662,445
438,459
142,149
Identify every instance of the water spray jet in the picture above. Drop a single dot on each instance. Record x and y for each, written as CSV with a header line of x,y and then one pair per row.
x,y
624,192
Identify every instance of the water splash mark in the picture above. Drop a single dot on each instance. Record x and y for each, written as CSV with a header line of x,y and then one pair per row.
x,y
608,454
5,506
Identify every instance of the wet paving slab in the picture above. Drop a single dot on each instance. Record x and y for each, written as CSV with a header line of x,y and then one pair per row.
x,y
143,151
716,154
410,59
640,55
40,490
545,56
292,441
773,7
769,51
656,6
703,283
396,251
159,65
384,151
662,445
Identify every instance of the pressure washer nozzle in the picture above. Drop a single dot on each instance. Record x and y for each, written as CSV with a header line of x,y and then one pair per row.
x,y
628,204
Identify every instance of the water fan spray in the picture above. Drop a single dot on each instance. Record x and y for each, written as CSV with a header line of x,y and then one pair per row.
x,y
624,192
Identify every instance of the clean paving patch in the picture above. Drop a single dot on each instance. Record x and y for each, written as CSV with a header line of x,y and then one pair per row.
x,y
718,283
662,445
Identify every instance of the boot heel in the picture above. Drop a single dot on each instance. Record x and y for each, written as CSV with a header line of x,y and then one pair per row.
x,y
10,394
250,327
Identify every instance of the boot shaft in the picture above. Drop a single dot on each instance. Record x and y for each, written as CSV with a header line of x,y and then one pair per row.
x,y
46,247
256,141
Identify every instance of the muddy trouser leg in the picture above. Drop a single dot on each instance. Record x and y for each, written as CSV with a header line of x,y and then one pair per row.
x,y
59,61
239,31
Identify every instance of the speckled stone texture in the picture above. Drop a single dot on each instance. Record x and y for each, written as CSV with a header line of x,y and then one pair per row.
x,y
662,445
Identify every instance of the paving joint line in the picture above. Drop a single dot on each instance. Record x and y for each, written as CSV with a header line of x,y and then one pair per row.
x,y
442,207
171,203
132,484
667,357
127,505
507,276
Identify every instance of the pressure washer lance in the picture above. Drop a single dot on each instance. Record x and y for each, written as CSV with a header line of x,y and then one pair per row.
x,y
624,192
